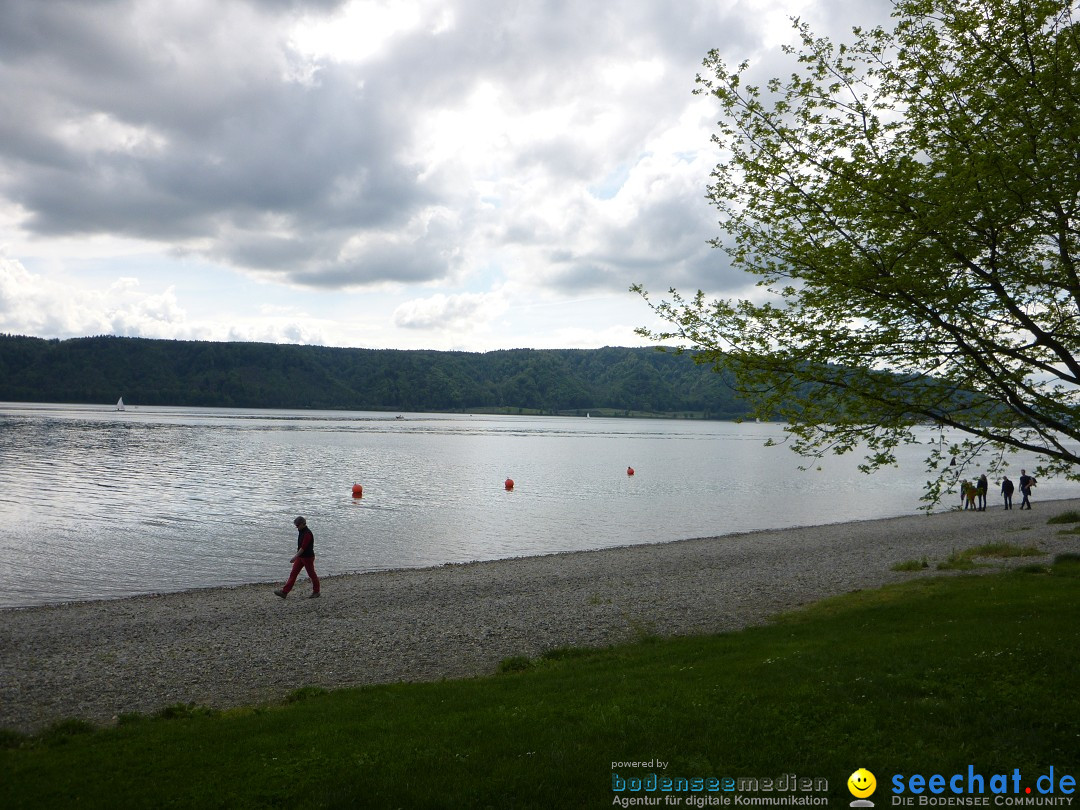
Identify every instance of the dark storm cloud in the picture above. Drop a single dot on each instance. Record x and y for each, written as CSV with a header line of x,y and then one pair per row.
x,y
198,140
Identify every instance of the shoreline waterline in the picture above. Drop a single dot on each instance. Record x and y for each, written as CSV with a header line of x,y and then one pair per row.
x,y
241,645
1059,504
191,499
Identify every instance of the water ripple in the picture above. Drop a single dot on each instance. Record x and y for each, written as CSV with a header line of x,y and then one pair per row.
x,y
98,504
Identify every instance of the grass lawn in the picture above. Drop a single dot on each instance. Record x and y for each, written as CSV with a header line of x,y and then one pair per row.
x,y
927,677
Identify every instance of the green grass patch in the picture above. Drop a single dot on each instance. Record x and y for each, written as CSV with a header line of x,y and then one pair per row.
x,y
1067,565
179,711
957,561
1071,516
1005,551
12,739
965,560
927,676
64,731
1032,568
910,565
515,663
305,693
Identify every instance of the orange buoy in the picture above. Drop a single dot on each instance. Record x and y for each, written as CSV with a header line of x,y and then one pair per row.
x,y
357,491
629,470
509,484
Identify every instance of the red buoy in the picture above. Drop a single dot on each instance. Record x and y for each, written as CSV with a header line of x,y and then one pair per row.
x,y
357,491
509,484
629,470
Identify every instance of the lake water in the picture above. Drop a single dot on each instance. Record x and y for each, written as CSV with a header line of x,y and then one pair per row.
x,y
97,503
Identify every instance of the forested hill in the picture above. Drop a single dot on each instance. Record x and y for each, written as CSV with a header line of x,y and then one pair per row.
x,y
258,375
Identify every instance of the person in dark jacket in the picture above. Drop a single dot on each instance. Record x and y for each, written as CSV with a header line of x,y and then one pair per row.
x,y
304,558
982,487
1007,491
1026,483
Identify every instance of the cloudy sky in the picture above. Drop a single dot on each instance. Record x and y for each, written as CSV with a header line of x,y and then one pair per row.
x,y
445,174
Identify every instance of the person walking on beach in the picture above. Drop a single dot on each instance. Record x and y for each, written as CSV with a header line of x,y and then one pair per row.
x,y
1007,491
304,558
1026,483
982,487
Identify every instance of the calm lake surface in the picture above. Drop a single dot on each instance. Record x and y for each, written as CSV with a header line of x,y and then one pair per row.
x,y
97,503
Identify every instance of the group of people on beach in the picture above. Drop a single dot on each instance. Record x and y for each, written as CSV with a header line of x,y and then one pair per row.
x,y
973,495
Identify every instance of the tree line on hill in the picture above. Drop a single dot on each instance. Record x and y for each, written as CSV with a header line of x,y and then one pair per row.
x,y
618,381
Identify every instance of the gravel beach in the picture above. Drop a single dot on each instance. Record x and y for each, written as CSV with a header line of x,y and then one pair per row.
x,y
225,647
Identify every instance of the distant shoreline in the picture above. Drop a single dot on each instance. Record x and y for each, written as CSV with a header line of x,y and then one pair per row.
x,y
391,412
224,647
146,371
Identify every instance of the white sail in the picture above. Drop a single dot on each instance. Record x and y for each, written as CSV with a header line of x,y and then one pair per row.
x,y
120,404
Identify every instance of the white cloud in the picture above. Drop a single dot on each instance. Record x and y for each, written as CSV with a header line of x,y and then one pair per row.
x,y
359,31
101,132
461,312
277,332
432,156
36,305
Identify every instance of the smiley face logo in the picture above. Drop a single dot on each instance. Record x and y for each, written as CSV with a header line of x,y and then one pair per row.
x,y
861,783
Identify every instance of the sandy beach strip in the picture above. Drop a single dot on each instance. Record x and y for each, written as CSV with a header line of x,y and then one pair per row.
x,y
228,647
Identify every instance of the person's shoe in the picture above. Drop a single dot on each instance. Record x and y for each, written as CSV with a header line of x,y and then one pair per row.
x,y
314,595
281,593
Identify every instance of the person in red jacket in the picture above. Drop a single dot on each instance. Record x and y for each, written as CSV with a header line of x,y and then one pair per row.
x,y
304,558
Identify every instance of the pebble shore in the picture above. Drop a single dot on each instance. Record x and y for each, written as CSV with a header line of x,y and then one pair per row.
x,y
228,647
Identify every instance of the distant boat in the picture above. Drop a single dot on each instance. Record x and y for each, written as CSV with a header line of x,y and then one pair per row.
x,y
120,404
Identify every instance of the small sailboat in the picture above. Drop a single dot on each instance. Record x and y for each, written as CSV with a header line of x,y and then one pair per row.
x,y
120,404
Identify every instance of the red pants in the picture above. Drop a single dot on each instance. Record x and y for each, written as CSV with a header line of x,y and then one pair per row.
x,y
307,563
